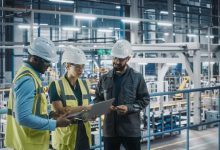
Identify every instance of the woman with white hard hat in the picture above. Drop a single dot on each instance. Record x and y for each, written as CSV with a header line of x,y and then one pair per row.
x,y
71,94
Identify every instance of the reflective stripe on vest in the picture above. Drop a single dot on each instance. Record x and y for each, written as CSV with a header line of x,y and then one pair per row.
x,y
10,112
68,94
39,91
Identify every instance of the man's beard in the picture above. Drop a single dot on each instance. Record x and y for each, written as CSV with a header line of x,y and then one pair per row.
x,y
119,68
40,68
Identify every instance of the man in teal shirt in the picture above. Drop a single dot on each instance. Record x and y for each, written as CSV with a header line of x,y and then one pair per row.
x,y
28,123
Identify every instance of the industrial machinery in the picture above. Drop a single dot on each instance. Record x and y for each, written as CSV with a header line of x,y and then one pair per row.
x,y
212,115
185,81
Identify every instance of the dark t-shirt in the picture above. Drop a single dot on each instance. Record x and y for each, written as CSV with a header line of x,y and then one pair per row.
x,y
117,84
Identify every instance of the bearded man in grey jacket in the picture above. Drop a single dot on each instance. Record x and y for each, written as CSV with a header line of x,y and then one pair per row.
x,y
122,122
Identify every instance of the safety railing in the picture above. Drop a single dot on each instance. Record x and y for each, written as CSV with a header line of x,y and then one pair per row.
x,y
149,135
3,110
187,127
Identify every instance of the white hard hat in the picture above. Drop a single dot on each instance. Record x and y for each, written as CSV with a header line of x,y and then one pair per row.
x,y
43,48
122,49
73,55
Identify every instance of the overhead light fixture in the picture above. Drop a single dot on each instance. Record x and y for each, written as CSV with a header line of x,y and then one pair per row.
x,y
164,12
150,10
26,26
85,17
191,35
168,24
62,1
211,36
130,21
83,26
161,39
142,63
166,34
23,26
71,28
105,30
44,24
171,64
207,63
118,7
117,28
41,24
61,46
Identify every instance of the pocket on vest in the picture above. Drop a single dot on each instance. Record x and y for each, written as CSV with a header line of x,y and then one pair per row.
x,y
38,137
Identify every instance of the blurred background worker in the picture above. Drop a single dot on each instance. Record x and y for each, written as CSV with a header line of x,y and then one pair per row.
x,y
122,123
28,123
71,94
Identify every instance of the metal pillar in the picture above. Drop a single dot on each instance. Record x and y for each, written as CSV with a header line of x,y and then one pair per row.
x,y
186,64
100,133
2,51
2,59
39,18
197,84
135,37
188,23
215,20
162,70
59,30
209,68
188,120
218,122
31,36
126,13
148,127
218,21
170,17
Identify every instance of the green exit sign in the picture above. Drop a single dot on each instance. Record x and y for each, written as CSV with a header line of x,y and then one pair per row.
x,y
103,52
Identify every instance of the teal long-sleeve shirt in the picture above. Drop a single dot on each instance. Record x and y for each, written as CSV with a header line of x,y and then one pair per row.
x,y
24,89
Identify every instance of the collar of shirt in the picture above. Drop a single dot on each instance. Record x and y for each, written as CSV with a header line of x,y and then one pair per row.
x,y
76,84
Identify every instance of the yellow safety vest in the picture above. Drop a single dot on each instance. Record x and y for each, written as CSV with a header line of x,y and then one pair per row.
x,y
67,135
18,136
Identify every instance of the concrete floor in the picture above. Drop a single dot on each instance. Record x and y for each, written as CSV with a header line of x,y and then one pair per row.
x,y
201,140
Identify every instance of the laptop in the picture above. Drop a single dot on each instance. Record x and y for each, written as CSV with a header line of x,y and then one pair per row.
x,y
96,110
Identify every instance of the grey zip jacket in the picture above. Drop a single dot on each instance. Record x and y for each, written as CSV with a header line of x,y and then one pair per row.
x,y
133,94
